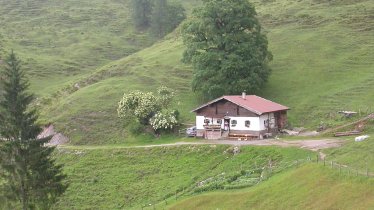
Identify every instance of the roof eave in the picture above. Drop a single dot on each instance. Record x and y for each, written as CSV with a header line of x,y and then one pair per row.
x,y
286,109
207,104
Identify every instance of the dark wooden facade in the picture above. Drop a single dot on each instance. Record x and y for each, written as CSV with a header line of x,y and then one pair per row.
x,y
280,119
224,108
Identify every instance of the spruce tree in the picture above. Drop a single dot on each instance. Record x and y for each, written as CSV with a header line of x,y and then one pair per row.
x,y
31,177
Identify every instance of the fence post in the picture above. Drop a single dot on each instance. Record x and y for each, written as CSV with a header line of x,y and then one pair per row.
x,y
324,162
367,168
317,158
340,168
367,172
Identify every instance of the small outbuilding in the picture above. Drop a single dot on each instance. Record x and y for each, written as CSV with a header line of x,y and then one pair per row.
x,y
241,117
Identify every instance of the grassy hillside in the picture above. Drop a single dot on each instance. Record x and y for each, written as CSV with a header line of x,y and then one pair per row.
x,y
61,40
120,178
323,57
309,187
357,155
89,115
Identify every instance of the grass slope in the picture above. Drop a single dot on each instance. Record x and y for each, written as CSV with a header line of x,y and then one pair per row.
x,y
89,115
123,178
308,187
323,57
59,41
356,155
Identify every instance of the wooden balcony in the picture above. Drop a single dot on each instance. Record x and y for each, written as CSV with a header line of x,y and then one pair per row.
x,y
212,127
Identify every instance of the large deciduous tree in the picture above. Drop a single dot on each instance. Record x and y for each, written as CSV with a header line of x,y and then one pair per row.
x,y
227,48
30,176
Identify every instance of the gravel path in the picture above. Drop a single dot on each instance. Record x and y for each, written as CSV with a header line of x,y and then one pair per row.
x,y
313,145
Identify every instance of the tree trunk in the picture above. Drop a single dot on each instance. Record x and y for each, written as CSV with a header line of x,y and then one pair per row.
x,y
24,199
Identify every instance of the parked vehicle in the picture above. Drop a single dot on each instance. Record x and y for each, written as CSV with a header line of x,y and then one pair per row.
x,y
191,131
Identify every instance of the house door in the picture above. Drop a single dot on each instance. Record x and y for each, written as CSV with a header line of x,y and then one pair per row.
x,y
226,124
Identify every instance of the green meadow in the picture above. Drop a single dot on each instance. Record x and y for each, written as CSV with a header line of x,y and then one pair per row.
x,y
82,56
124,178
308,187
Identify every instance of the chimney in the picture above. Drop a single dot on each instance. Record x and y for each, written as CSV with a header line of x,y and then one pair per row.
x,y
244,95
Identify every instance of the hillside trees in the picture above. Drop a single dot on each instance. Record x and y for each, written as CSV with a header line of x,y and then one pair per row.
x,y
161,16
227,48
149,109
141,13
30,175
166,17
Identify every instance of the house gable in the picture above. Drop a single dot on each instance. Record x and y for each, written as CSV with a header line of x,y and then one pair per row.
x,y
222,108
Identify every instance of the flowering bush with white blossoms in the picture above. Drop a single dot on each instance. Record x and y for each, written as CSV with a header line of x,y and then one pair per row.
x,y
138,104
166,120
165,96
149,109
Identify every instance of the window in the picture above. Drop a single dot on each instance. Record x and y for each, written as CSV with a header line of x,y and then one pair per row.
x,y
219,121
206,121
233,123
247,123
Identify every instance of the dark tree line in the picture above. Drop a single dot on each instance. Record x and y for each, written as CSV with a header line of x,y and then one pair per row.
x,y
29,176
160,16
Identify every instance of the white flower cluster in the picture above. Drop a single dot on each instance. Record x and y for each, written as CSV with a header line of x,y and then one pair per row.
x,y
149,109
165,96
138,104
164,121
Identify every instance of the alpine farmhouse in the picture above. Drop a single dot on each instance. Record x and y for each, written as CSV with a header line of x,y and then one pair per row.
x,y
241,117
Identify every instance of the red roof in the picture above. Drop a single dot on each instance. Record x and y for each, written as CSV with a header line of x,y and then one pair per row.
x,y
252,103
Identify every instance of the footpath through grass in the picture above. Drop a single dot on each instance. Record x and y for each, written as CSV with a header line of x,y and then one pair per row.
x,y
130,178
309,187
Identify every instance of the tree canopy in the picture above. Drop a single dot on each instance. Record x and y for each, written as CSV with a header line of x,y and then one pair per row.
x,y
227,48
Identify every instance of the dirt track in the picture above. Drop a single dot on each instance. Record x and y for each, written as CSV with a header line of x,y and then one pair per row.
x,y
313,145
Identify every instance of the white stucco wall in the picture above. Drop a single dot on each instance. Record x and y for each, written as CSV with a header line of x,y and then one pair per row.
x,y
255,124
200,122
240,126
